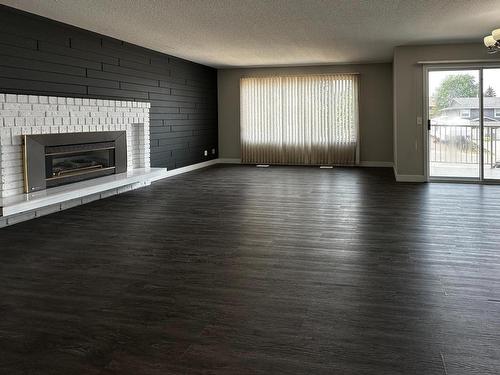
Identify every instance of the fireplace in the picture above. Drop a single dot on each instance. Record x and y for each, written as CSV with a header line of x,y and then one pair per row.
x,y
58,159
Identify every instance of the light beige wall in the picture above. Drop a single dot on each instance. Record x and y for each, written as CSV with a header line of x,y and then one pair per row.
x,y
375,106
409,98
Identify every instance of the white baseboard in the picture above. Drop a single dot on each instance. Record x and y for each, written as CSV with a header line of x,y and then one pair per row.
x,y
188,168
409,178
377,164
193,167
381,164
229,161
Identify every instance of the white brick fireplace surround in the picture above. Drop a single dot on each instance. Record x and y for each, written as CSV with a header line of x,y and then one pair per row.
x,y
29,114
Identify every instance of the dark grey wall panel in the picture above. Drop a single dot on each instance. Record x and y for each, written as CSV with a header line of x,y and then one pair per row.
x,y
44,57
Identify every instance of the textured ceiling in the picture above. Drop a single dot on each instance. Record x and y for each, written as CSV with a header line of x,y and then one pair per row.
x,y
276,32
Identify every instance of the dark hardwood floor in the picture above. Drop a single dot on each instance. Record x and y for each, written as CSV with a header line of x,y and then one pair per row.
x,y
244,270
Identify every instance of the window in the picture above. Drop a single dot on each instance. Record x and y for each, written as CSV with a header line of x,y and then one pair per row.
x,y
309,119
497,112
465,113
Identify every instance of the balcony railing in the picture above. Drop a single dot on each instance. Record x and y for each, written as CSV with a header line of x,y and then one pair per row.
x,y
460,144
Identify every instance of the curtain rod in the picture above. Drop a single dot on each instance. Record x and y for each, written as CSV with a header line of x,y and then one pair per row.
x,y
300,75
491,61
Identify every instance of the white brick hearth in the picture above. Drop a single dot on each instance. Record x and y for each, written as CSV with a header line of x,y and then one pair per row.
x,y
29,114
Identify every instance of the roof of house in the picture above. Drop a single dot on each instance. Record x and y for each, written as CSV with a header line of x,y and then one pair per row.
x,y
469,103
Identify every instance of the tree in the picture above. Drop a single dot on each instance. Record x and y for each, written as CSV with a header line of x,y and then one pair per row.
x,y
490,92
455,86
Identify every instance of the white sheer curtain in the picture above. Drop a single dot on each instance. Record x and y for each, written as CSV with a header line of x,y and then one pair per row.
x,y
310,119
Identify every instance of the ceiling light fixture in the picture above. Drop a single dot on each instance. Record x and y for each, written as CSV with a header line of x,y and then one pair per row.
x,y
493,41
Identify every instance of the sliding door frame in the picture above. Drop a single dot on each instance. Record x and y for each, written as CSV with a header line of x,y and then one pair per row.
x,y
425,119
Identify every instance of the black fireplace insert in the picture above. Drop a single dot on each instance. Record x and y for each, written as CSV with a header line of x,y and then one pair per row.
x,y
58,159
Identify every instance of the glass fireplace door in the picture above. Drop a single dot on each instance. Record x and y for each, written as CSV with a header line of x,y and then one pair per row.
x,y
73,163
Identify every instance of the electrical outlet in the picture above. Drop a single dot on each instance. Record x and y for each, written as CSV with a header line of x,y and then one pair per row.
x,y
213,151
205,153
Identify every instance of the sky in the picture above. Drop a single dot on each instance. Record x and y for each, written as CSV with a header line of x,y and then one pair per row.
x,y
491,77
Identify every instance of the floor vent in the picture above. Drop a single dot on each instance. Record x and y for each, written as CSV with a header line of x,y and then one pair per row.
x,y
326,166
262,165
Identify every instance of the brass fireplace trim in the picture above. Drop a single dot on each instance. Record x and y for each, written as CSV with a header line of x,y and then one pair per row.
x,y
25,165
81,171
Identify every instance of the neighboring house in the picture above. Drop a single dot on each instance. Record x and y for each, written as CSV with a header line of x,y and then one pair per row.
x,y
458,126
467,109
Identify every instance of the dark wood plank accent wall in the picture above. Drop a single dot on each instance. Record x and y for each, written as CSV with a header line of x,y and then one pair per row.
x,y
44,57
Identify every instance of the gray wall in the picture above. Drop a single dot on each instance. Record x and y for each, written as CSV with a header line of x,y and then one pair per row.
x,y
375,106
409,96
43,57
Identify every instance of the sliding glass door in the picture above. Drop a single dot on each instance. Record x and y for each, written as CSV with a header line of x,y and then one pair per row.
x,y
491,123
463,122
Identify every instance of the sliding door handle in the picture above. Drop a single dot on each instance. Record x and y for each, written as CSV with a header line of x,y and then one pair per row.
x,y
429,124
